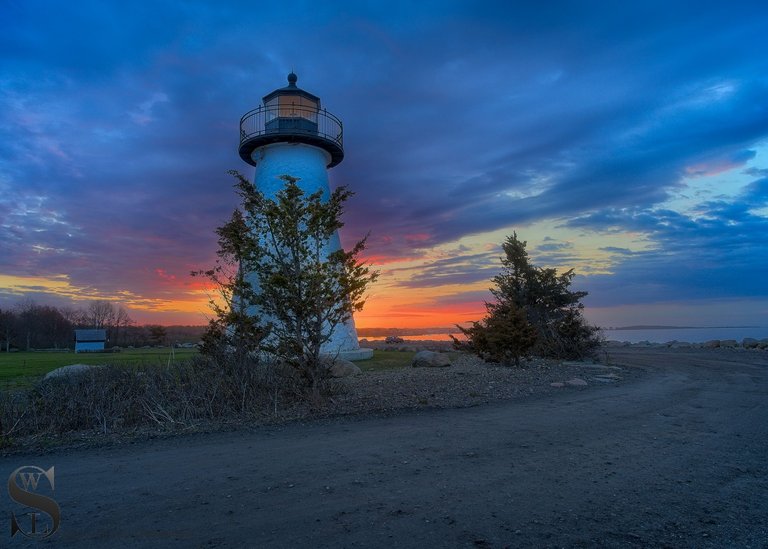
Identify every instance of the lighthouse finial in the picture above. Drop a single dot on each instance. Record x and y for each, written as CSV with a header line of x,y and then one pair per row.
x,y
292,78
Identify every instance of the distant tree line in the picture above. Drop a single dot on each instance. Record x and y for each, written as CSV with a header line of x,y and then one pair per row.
x,y
28,326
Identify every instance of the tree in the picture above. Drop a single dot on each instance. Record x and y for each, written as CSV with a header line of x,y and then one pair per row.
x,y
157,334
121,320
280,282
232,329
42,326
101,314
503,336
551,310
8,323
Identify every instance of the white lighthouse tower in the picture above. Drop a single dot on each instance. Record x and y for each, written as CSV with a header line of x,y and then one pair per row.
x,y
289,134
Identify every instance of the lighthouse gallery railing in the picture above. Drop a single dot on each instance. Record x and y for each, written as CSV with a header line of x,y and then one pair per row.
x,y
291,120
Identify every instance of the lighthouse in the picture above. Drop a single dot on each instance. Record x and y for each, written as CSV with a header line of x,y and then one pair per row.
x,y
289,134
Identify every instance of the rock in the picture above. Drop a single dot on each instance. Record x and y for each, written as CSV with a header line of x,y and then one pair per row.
x,y
557,384
763,344
430,359
591,365
711,344
578,363
576,382
679,345
344,368
750,343
729,343
71,370
394,339
607,378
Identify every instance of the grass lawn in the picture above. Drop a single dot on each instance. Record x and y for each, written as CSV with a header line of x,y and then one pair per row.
x,y
386,360
27,365
22,367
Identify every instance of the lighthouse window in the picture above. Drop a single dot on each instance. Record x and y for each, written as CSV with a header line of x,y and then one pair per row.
x,y
271,109
291,106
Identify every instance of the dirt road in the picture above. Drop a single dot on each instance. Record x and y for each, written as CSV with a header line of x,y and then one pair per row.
x,y
678,459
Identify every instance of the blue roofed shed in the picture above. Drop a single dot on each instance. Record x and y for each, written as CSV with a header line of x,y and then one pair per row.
x,y
90,340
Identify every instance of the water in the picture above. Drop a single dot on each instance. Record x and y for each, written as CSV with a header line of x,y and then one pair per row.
x,y
420,337
658,335
690,335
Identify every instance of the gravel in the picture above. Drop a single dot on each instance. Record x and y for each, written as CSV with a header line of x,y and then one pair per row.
x,y
469,381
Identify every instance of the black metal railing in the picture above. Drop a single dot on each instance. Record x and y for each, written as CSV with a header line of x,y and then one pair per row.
x,y
293,120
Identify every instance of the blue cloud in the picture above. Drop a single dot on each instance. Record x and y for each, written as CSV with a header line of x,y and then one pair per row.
x,y
721,253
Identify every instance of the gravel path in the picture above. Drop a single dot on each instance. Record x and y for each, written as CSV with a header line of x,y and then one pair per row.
x,y
469,382
671,458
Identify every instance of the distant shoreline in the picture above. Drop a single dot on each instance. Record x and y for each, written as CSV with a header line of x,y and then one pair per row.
x,y
653,327
630,334
384,332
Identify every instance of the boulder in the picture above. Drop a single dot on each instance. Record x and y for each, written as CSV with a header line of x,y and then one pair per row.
x,y
763,344
750,343
729,343
344,368
71,370
430,359
576,382
711,344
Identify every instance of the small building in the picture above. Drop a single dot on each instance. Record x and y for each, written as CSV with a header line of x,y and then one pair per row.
x,y
90,340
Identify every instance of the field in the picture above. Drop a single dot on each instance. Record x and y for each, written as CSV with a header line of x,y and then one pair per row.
x,y
17,367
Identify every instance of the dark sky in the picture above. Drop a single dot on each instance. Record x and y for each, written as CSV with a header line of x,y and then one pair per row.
x,y
628,140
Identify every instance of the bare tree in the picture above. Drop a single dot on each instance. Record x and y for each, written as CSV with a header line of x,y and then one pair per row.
x,y
101,314
7,328
77,317
121,320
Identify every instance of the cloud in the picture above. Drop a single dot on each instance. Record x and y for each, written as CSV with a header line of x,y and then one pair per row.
x,y
719,164
118,123
143,113
616,250
720,253
458,270
756,193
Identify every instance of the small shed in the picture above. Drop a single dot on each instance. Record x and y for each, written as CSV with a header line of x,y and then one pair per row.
x,y
90,340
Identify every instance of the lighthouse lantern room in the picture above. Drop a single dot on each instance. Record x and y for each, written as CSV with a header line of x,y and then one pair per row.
x,y
291,115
